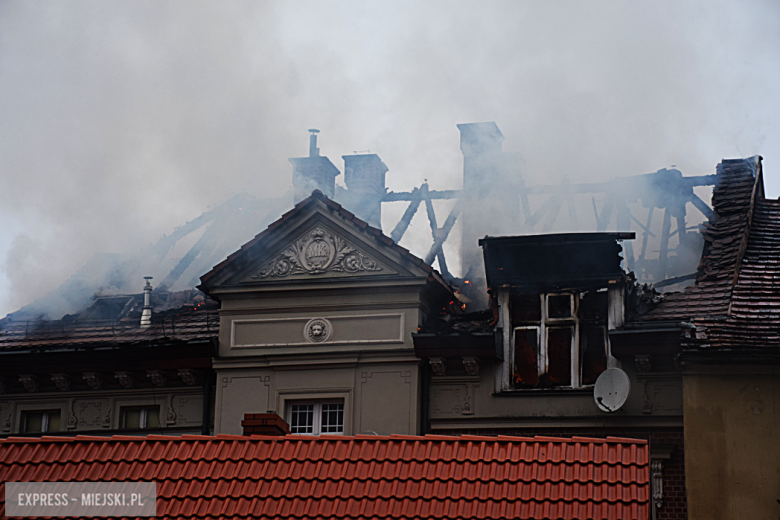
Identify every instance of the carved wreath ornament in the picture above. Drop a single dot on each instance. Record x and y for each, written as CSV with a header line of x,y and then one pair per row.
x,y
317,253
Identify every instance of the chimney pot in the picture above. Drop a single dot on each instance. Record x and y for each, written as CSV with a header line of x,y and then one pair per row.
x,y
313,150
313,172
146,313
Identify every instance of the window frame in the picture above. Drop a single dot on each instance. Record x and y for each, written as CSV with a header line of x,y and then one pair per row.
x,y
45,419
286,396
143,419
317,418
542,354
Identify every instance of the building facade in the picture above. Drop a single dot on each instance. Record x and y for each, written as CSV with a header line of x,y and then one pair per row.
x,y
316,321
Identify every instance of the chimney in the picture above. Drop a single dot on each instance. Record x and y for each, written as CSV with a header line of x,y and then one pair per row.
x,y
364,176
491,187
313,150
146,314
268,423
313,172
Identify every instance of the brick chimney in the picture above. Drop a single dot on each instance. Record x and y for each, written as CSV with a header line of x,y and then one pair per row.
x,y
268,423
313,172
364,176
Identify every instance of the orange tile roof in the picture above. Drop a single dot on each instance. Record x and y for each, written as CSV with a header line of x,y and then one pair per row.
x,y
353,477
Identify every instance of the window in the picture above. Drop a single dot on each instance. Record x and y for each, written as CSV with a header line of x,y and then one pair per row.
x,y
558,340
41,421
316,417
140,417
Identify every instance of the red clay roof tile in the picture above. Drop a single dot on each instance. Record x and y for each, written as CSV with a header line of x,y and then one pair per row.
x,y
355,477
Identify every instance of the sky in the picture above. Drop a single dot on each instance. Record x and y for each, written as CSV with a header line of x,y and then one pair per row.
x,y
120,121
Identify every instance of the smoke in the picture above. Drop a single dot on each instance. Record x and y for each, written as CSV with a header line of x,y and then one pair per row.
x,y
122,120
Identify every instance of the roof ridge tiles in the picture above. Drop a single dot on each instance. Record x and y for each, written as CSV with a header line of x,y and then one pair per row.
x,y
231,437
512,438
52,438
626,440
150,437
484,438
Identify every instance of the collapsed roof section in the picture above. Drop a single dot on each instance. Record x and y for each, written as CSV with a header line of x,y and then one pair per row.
x,y
114,321
739,186
733,308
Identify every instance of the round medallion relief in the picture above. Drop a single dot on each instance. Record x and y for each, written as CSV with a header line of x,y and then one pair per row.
x,y
317,330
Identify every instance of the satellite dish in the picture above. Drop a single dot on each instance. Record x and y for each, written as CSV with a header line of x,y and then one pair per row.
x,y
612,389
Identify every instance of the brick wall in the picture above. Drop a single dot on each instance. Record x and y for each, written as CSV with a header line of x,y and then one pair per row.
x,y
675,502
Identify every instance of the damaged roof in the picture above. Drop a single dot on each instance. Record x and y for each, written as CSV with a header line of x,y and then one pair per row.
x,y
725,237
753,317
115,320
365,476
735,301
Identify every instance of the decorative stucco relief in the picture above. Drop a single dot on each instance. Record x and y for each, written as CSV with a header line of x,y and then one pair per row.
x,y
317,252
661,395
93,414
6,411
456,396
317,330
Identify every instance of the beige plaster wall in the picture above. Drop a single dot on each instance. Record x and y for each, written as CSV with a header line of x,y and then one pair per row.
x,y
459,400
95,411
732,444
380,394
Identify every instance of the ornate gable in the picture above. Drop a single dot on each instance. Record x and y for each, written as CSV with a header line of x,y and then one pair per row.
x,y
317,240
317,252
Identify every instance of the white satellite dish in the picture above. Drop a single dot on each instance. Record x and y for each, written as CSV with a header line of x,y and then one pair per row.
x,y
612,389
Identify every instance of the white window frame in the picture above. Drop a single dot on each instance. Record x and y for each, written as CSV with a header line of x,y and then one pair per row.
x,y
44,420
144,420
546,322
317,420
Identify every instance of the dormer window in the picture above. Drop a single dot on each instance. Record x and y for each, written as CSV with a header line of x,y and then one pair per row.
x,y
558,339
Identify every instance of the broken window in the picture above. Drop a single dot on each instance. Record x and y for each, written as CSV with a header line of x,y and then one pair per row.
x,y
559,339
525,308
593,353
526,371
560,306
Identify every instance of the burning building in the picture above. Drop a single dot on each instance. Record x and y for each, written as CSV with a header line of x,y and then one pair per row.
x,y
327,321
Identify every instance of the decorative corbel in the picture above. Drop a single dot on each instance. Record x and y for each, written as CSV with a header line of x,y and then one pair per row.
x,y
157,377
94,380
61,381
438,366
642,362
188,376
30,382
471,364
125,379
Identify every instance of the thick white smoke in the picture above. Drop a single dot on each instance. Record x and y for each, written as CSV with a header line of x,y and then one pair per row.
x,y
122,120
